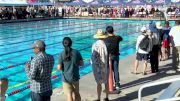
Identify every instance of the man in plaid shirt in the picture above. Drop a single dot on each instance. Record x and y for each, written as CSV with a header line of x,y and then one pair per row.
x,y
39,73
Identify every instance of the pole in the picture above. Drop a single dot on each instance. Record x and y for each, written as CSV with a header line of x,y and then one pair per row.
x,y
110,76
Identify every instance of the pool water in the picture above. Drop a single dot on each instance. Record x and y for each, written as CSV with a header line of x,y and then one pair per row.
x,y
16,40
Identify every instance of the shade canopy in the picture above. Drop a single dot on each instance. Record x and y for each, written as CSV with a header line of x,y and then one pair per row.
x,y
95,3
13,3
42,3
134,2
113,3
174,1
156,2
76,3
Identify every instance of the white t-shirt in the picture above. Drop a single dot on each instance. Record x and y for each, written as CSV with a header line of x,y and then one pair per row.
x,y
60,10
175,33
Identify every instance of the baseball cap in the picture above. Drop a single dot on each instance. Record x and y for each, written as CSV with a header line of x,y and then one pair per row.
x,y
158,25
143,29
39,44
152,27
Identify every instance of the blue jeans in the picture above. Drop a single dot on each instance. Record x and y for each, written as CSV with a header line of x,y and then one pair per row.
x,y
115,68
46,96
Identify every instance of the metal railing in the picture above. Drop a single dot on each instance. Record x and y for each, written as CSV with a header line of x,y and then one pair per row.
x,y
159,83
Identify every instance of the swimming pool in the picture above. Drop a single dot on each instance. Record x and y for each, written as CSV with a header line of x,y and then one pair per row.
x,y
16,40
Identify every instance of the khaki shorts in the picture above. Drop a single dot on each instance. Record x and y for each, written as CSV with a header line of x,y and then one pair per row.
x,y
71,87
176,57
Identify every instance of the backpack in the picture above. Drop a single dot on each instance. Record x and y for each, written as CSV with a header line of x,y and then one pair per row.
x,y
166,40
145,44
166,36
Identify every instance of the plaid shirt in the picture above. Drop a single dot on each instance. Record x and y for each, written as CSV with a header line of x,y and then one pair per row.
x,y
40,72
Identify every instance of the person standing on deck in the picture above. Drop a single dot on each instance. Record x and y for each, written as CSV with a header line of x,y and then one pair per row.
x,y
154,59
142,55
112,43
175,41
39,72
69,62
100,63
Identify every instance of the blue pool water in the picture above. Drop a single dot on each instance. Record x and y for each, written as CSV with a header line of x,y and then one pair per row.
x,y
16,40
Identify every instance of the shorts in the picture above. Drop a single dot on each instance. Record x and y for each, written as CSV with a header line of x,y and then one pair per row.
x,y
164,49
141,57
71,87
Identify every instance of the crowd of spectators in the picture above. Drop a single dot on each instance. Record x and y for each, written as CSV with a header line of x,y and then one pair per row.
x,y
121,11
29,12
10,13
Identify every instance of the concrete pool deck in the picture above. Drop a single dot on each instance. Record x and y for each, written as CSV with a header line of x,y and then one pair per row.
x,y
90,18
119,18
130,83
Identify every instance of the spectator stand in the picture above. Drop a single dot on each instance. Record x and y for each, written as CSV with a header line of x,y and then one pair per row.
x,y
77,3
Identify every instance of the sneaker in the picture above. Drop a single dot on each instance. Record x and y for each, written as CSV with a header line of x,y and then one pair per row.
x,y
118,86
144,73
105,99
96,100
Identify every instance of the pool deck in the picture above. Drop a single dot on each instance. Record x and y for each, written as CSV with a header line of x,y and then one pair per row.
x,y
27,20
97,18
130,83
118,18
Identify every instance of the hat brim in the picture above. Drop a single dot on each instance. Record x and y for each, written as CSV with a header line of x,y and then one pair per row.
x,y
33,46
100,37
159,27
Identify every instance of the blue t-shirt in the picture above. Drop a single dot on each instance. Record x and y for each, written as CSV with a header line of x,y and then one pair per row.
x,y
166,34
70,70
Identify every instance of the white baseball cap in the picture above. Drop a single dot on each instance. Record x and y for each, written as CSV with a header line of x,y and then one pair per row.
x,y
143,29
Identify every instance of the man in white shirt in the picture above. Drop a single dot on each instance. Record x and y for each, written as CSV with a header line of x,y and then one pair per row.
x,y
175,41
141,55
